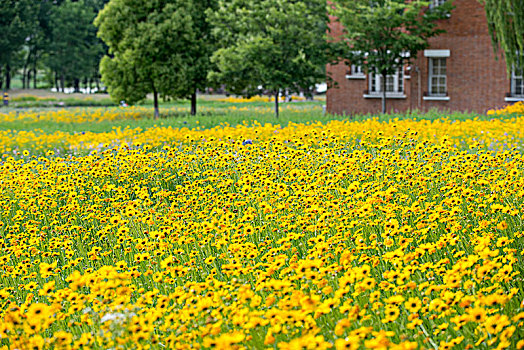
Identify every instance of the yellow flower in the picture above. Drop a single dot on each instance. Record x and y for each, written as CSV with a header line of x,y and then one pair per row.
x,y
350,343
391,313
413,305
38,311
477,314
46,270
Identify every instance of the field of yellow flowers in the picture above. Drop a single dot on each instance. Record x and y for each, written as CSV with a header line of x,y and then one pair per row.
x,y
402,234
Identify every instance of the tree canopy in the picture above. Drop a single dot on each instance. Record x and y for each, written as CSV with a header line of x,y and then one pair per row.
x,y
381,36
270,45
506,25
74,51
56,35
154,47
16,24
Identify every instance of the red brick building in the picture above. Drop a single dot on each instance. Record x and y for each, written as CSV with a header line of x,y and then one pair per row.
x,y
458,72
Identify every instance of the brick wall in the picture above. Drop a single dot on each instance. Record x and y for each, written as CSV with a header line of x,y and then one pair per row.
x,y
476,81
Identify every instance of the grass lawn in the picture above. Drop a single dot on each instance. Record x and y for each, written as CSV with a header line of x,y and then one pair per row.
x,y
213,110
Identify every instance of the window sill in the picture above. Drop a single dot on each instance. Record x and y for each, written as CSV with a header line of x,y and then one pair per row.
x,y
390,95
356,76
435,98
514,99
437,53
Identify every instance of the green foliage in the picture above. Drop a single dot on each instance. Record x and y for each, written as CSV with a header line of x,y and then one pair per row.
x,y
506,25
16,23
273,44
56,35
203,44
155,47
74,50
39,40
378,34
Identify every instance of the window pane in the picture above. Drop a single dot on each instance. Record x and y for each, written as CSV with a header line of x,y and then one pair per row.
x,y
437,76
519,87
435,3
517,82
389,83
394,82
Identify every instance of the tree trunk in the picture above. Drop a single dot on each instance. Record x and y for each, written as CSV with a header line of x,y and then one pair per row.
x,y
97,82
35,71
34,78
193,103
25,75
76,85
276,102
56,82
29,75
7,77
62,82
155,103
383,93
26,72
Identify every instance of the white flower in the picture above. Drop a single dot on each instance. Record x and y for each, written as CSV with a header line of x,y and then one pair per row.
x,y
112,317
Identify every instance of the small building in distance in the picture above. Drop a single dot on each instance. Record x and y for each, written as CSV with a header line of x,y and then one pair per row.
x,y
459,71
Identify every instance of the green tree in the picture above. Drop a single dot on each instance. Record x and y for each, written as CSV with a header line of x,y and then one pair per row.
x,y
97,47
74,51
383,35
16,24
37,42
201,49
506,25
273,44
160,47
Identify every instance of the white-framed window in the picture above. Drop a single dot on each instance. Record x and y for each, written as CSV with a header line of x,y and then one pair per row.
x,y
356,72
394,83
517,83
435,3
437,76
